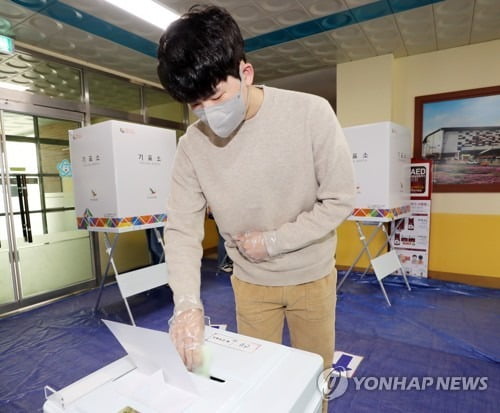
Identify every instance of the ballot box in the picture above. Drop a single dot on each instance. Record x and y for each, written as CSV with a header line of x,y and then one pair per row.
x,y
381,154
245,374
121,174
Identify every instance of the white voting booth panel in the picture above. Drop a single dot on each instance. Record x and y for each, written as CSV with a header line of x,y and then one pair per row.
x,y
381,158
120,174
246,375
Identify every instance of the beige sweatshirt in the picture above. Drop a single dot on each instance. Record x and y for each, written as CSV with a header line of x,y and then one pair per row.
x,y
287,169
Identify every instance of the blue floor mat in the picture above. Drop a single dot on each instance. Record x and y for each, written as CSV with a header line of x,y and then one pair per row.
x,y
437,330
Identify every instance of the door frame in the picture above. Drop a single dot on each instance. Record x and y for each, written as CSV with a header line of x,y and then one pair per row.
x,y
19,302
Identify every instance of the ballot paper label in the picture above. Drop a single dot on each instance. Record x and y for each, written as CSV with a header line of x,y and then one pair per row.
x,y
234,343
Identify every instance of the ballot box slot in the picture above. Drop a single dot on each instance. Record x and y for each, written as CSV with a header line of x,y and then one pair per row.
x,y
218,380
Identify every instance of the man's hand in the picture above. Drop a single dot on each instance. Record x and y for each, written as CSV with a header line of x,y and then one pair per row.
x,y
187,333
253,246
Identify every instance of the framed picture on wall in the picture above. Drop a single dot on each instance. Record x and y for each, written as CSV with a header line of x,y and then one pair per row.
x,y
460,133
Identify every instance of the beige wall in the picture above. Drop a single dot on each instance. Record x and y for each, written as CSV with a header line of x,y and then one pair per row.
x,y
364,91
465,227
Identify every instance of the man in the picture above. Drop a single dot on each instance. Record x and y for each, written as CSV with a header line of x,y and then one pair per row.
x,y
277,173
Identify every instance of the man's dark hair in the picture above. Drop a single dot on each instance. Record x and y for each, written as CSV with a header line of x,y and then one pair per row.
x,y
198,51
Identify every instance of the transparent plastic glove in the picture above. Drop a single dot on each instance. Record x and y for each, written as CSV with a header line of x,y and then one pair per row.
x,y
187,333
256,246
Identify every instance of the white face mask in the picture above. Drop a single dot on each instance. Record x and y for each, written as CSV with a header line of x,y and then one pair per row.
x,y
225,117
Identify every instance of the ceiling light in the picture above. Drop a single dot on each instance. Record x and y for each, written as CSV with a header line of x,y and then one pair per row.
x,y
147,10
13,86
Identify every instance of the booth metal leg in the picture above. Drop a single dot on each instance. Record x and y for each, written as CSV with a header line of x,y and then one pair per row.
x,y
406,279
365,246
110,248
389,239
129,312
366,242
386,243
363,239
159,238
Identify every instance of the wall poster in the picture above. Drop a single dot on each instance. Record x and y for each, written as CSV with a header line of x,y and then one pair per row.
x,y
460,132
410,236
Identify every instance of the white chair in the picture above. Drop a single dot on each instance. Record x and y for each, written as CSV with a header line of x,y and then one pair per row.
x,y
138,281
384,265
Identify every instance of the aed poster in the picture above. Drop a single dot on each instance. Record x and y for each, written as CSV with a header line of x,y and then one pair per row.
x,y
420,180
410,235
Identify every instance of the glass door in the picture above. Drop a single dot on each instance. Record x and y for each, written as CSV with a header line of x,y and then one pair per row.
x,y
42,254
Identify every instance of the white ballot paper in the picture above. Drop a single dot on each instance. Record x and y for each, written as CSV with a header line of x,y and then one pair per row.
x,y
152,350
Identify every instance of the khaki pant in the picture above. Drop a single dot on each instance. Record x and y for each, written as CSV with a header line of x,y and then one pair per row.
x,y
309,310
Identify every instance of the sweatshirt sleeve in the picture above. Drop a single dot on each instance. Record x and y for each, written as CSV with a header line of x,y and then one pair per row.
x,y
336,188
184,232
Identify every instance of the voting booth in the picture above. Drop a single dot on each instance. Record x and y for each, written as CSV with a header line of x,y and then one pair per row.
x,y
381,154
121,174
246,375
121,178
